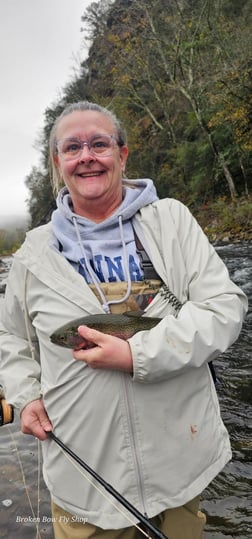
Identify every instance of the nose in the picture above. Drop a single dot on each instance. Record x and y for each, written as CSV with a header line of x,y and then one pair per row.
x,y
85,153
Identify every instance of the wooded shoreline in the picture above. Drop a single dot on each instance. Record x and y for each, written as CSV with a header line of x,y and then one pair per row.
x,y
225,221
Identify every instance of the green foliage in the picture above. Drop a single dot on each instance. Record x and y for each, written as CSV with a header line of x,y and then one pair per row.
x,y
42,201
225,219
10,240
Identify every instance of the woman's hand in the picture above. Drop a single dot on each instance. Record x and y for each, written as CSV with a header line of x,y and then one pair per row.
x,y
106,352
35,421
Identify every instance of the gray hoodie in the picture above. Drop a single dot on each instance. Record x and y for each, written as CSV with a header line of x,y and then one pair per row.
x,y
106,251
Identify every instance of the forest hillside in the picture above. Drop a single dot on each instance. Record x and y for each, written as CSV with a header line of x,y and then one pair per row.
x,y
178,73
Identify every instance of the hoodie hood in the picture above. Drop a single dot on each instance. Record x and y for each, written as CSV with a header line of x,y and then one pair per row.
x,y
136,195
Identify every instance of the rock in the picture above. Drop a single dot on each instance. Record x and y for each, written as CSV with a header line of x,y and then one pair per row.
x,y
7,503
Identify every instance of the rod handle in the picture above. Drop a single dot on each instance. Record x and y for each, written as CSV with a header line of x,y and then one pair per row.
x,y
6,412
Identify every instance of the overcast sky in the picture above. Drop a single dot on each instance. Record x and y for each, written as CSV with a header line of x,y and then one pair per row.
x,y
41,45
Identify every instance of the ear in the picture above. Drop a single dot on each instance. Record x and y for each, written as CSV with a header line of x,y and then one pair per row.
x,y
124,155
56,160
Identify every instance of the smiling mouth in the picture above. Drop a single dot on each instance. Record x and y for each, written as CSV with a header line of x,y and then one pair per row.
x,y
90,174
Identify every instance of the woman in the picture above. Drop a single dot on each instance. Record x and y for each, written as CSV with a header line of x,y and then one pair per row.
x,y
142,412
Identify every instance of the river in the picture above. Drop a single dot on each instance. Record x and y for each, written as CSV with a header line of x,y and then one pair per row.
x,y
228,500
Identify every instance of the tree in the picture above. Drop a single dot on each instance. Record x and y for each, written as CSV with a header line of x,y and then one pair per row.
x,y
41,202
169,58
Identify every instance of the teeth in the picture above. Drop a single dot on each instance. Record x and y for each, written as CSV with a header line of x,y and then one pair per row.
x,y
88,174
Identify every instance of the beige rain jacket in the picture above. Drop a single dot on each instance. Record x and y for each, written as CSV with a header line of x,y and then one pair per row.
x,y
157,437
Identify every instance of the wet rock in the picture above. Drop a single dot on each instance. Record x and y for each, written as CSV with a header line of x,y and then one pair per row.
x,y
7,503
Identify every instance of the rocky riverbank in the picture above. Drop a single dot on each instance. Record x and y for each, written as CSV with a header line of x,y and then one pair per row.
x,y
225,221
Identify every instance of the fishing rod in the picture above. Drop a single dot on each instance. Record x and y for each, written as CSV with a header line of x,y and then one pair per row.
x,y
146,524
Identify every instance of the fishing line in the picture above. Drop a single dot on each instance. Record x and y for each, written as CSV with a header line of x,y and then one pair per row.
x,y
143,520
75,465
36,520
38,480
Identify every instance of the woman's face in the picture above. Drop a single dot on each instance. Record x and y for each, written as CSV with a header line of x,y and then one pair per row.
x,y
94,181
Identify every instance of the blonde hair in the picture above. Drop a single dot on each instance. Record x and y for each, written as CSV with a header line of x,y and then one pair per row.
x,y
80,106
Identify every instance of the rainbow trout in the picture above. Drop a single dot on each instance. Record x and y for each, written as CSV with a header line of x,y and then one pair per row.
x,y
119,325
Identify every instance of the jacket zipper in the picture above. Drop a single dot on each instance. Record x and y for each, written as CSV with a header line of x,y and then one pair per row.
x,y
134,446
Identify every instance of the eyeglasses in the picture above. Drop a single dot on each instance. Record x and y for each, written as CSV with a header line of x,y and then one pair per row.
x,y
98,145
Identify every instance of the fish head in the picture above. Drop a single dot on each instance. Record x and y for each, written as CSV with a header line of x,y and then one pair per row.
x,y
68,340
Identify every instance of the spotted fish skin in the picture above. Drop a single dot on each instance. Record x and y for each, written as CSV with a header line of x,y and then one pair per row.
x,y
123,326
